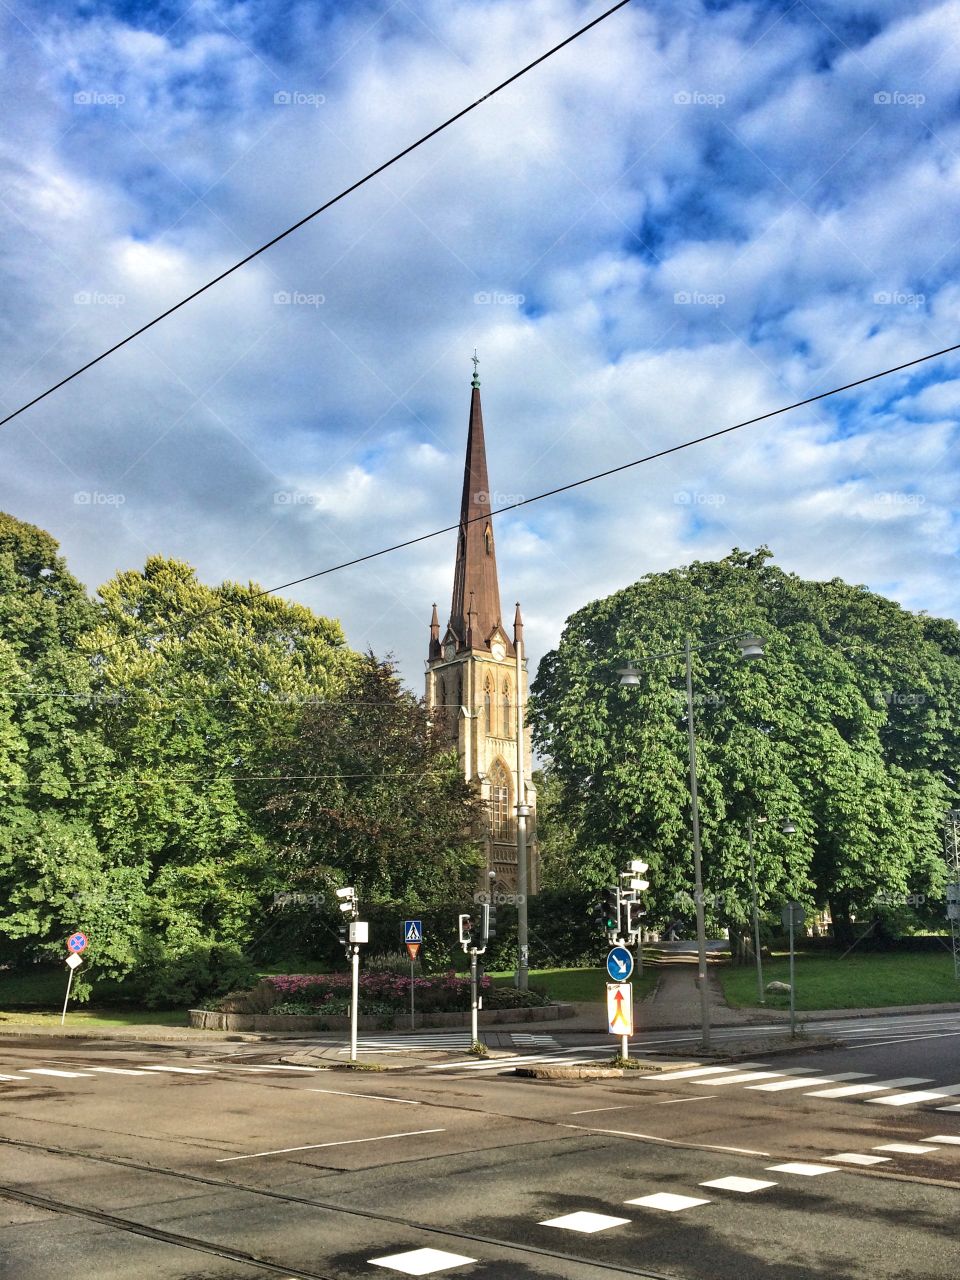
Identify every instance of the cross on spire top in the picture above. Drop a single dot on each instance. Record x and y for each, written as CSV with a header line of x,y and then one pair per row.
x,y
476,376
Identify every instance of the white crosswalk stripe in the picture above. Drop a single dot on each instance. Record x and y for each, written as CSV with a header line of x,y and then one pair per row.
x,y
49,1071
878,1086
919,1095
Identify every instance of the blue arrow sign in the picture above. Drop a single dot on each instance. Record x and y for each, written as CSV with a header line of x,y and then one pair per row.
x,y
619,964
412,931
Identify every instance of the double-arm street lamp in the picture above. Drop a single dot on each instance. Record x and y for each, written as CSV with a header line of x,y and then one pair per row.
x,y
750,647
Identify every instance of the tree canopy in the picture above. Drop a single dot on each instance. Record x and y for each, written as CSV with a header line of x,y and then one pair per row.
x,y
848,725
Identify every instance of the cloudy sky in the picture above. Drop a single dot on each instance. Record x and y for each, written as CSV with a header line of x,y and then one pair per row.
x,y
697,212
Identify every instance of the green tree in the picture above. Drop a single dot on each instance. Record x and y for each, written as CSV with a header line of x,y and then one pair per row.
x,y
375,798
848,726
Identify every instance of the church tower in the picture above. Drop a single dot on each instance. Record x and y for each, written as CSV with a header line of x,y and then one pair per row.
x,y
477,675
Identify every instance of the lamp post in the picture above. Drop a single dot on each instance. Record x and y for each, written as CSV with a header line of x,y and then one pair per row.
x,y
751,647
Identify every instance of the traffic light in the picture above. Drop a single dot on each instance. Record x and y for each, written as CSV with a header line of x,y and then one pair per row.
x,y
488,922
348,901
635,914
466,929
343,933
611,910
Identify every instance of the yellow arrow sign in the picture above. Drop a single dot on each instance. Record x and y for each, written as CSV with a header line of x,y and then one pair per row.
x,y
620,1008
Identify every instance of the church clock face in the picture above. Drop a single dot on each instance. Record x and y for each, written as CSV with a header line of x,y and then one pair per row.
x,y
498,650
449,651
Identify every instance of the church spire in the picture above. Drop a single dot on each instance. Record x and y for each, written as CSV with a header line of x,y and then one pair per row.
x,y
476,591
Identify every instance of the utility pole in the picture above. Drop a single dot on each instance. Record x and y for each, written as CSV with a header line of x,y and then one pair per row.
x,y
523,812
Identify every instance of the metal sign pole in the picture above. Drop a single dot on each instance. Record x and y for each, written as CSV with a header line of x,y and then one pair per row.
x,y
413,1020
63,1016
354,1000
793,994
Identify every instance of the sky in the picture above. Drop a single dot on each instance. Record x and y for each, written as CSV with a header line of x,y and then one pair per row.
x,y
695,213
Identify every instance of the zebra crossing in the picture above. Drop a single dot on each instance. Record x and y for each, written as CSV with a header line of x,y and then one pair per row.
x,y
41,1075
411,1043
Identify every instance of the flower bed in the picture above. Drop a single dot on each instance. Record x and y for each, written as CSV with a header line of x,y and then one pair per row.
x,y
313,994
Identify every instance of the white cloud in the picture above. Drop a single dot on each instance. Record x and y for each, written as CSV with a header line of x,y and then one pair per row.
x,y
553,229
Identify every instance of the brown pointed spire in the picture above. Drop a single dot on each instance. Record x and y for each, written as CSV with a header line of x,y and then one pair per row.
x,y
517,627
435,634
475,573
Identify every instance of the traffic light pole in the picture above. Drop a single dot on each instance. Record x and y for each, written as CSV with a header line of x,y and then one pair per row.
x,y
474,1032
354,1000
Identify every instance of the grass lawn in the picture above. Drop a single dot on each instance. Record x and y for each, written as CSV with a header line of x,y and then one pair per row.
x,y
580,984
864,980
37,997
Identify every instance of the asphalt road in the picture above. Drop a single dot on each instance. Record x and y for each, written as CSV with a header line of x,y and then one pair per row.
x,y
207,1165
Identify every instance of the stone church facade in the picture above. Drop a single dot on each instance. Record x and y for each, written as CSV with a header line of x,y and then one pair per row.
x,y
476,676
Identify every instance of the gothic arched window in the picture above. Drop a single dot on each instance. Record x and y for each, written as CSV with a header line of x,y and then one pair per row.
x,y
506,705
488,705
500,801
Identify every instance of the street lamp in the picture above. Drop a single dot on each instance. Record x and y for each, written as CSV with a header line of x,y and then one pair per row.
x,y
751,647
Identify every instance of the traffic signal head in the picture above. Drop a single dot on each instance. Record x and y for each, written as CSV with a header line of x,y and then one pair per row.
x,y
343,934
488,921
611,909
635,914
466,929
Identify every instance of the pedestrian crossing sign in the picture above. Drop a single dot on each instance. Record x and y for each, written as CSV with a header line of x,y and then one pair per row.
x,y
412,931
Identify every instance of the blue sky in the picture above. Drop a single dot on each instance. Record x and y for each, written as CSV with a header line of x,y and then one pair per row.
x,y
692,215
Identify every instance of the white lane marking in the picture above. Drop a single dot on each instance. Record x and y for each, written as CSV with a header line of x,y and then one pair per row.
x,y
802,1169
944,1137
668,1201
919,1095
779,1085
591,1110
183,1071
746,1075
118,1071
379,1097
955,1108
22,1079
856,1157
746,1185
317,1146
873,1044
271,1066
697,1097
421,1262
667,1142
49,1071
906,1148
878,1086
585,1221
689,1073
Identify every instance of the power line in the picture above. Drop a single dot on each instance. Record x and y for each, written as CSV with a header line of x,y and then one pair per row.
x,y
611,471
310,216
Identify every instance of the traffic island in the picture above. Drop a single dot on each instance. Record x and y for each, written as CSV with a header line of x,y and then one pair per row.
x,y
598,1070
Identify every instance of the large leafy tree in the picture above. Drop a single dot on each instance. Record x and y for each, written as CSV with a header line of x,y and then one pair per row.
x,y
51,759
374,797
194,688
848,725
